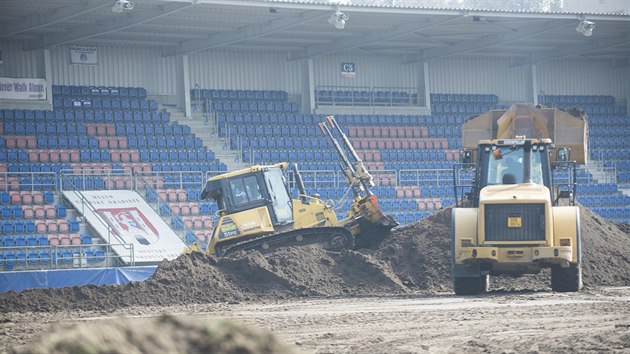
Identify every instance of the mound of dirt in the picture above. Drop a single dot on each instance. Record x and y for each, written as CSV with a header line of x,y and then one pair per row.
x,y
413,259
165,334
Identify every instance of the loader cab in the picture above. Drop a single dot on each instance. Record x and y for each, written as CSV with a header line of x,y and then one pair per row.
x,y
513,161
256,187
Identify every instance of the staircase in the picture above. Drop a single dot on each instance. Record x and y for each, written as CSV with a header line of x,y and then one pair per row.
x,y
601,174
207,132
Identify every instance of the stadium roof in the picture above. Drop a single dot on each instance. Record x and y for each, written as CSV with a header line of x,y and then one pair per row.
x,y
302,30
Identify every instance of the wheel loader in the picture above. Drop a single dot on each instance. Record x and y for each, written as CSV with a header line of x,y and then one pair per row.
x,y
513,214
256,210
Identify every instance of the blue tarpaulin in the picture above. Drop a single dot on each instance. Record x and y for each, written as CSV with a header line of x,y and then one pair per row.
x,y
18,281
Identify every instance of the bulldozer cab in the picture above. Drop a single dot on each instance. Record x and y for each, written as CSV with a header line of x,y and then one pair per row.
x,y
252,188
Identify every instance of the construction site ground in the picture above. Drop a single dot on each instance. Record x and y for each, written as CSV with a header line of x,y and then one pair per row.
x,y
394,298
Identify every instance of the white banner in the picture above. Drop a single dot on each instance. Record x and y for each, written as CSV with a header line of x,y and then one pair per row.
x,y
22,89
83,55
131,220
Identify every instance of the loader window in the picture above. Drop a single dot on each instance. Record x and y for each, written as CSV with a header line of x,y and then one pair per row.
x,y
508,169
510,164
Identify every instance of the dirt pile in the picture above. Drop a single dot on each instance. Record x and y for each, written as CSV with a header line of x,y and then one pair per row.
x,y
415,258
176,335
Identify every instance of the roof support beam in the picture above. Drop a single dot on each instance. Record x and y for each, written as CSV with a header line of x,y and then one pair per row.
x,y
118,23
371,37
248,32
34,22
489,41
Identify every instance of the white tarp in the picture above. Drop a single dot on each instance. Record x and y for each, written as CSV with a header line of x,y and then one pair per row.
x,y
22,89
131,220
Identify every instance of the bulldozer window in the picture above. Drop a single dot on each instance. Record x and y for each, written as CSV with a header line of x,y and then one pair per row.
x,y
251,188
280,198
245,190
238,191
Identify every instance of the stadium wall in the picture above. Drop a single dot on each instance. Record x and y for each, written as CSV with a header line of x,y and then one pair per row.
x,y
246,70
255,69
583,77
17,63
119,66
372,70
485,75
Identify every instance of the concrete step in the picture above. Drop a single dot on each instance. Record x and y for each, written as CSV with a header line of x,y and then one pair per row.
x,y
205,130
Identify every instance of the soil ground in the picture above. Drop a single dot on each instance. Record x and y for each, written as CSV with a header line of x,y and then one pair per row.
x,y
396,297
499,322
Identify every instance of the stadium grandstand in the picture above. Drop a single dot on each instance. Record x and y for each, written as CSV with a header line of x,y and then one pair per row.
x,y
114,113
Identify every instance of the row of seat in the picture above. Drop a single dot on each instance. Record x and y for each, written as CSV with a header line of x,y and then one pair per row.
x,y
114,104
344,120
68,256
470,108
32,211
38,226
608,122
420,165
604,200
616,213
22,161
437,98
400,143
598,134
253,106
86,116
24,197
88,142
192,222
365,97
551,100
226,94
98,91
53,240
74,129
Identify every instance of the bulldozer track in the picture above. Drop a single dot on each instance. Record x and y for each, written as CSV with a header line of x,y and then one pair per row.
x,y
333,238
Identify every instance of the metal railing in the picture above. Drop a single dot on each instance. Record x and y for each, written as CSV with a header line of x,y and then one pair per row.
x,y
33,181
67,256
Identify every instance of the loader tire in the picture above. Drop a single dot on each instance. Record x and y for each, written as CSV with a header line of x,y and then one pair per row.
x,y
470,285
566,279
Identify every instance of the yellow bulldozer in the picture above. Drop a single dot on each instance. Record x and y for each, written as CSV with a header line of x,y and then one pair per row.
x,y
256,210
513,215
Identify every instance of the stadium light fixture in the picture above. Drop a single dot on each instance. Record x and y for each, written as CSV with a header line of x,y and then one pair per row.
x,y
585,27
122,5
338,19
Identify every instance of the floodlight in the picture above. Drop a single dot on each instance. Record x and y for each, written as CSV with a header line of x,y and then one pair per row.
x,y
121,5
585,27
338,19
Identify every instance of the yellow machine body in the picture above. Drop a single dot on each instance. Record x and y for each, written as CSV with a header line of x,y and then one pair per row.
x,y
256,210
511,221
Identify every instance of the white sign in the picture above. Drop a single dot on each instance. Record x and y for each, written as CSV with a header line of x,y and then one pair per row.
x,y
130,220
83,55
22,89
348,71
